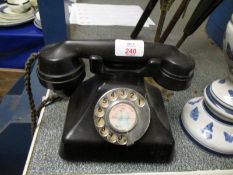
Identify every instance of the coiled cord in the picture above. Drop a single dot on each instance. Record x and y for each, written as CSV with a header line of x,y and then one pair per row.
x,y
27,82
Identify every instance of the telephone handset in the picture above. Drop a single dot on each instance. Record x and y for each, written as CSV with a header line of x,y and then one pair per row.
x,y
115,111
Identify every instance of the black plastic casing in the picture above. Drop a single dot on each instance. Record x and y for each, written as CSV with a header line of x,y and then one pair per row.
x,y
61,69
81,141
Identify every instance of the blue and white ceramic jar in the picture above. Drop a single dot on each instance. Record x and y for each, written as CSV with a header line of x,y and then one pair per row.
x,y
209,122
209,119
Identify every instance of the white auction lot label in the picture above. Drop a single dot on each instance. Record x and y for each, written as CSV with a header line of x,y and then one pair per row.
x,y
129,48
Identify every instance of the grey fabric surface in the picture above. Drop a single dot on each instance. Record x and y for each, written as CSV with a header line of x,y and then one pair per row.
x,y
210,65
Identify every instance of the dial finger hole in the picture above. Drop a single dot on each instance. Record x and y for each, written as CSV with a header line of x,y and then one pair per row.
x,y
132,96
104,102
112,96
99,122
104,132
99,112
140,102
122,140
122,93
112,138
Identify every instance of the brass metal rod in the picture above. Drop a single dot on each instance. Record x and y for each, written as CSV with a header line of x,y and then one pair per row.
x,y
160,25
174,20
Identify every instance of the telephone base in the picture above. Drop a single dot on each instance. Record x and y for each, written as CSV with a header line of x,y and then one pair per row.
x,y
81,142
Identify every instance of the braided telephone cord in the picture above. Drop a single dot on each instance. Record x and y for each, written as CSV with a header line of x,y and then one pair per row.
x,y
27,82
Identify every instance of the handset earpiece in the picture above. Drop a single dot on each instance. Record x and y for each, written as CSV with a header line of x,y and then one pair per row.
x,y
176,70
59,69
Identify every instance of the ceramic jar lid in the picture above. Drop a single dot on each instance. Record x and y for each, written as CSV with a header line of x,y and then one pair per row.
x,y
217,108
222,91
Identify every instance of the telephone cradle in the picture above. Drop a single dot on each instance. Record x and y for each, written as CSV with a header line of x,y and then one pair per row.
x,y
115,115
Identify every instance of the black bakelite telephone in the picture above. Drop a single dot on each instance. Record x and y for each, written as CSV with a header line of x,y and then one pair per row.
x,y
115,115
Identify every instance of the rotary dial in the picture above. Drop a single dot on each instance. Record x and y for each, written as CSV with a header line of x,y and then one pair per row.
x,y
121,116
